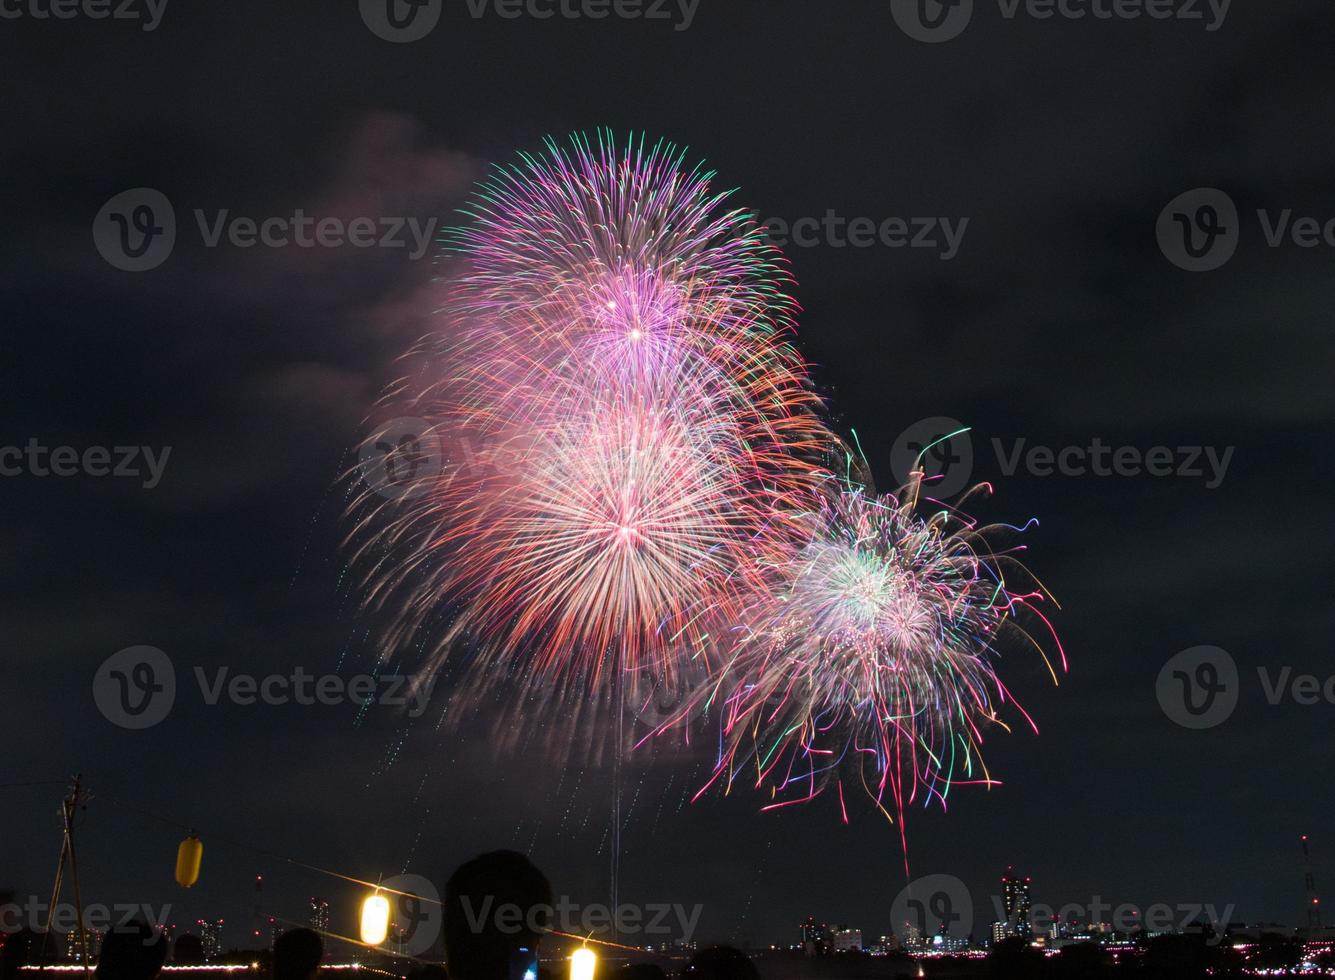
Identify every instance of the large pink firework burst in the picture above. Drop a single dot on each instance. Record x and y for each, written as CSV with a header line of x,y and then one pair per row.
x,y
618,345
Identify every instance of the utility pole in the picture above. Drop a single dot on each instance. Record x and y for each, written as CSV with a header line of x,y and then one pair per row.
x,y
1309,884
68,858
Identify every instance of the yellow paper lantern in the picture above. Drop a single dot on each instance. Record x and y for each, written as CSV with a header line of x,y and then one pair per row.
x,y
375,919
189,856
582,964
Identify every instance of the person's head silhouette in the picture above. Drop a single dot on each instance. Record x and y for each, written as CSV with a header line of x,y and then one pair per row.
x,y
495,908
17,949
641,971
297,954
188,950
134,951
720,963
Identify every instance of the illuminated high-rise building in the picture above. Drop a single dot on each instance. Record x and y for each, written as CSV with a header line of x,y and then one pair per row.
x,y
944,942
1015,898
74,944
886,945
320,916
845,939
210,938
1309,885
815,937
259,930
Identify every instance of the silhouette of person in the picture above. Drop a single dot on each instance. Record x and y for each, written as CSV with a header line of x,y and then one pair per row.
x,y
641,971
720,963
135,951
297,954
496,906
188,950
19,949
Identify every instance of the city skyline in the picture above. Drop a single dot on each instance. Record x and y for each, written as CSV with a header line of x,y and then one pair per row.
x,y
1011,906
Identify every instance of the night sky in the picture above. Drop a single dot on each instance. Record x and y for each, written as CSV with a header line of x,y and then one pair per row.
x,y
1059,320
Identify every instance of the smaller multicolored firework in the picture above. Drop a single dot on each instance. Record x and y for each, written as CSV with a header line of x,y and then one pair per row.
x,y
871,655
